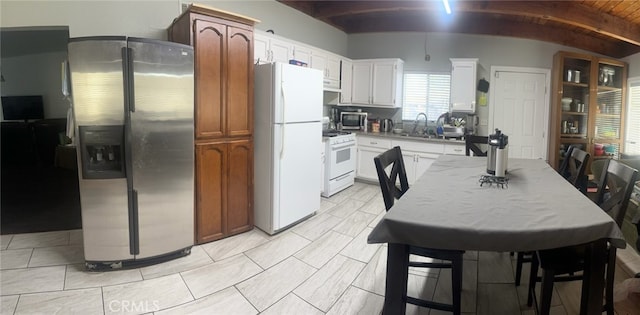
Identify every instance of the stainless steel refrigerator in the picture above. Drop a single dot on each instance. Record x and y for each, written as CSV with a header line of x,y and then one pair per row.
x,y
133,111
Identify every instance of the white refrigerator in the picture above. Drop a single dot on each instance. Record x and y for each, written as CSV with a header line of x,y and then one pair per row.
x,y
287,137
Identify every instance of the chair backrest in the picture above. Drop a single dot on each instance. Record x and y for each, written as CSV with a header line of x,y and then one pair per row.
x,y
471,145
614,189
564,166
576,167
390,190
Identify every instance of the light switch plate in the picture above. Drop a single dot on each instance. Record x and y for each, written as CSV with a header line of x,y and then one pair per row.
x,y
483,122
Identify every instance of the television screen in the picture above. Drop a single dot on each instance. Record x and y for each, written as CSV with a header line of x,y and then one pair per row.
x,y
22,107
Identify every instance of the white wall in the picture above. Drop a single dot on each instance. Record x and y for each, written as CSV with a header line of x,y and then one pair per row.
x,y
37,74
287,22
151,18
634,65
94,18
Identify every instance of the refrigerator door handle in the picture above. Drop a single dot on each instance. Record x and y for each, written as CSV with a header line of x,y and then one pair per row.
x,y
127,66
134,240
284,125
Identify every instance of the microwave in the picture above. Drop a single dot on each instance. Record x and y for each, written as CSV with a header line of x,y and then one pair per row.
x,y
354,120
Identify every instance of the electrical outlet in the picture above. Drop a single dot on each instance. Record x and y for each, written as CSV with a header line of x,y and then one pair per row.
x,y
484,122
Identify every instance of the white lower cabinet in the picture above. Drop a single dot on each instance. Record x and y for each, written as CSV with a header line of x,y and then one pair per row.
x,y
369,148
454,149
418,156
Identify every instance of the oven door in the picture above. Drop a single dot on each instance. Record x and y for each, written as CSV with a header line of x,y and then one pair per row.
x,y
342,159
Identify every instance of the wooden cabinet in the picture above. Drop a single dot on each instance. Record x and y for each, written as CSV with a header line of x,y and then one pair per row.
x,y
463,84
377,82
224,184
588,106
223,50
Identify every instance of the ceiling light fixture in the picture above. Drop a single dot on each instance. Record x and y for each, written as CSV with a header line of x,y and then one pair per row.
x,y
446,6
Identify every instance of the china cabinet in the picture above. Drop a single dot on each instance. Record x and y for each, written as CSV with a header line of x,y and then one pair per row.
x,y
588,106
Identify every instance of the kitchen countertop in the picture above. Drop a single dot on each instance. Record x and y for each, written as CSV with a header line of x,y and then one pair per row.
x,y
397,136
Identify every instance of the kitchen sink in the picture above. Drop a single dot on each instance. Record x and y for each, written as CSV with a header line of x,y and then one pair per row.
x,y
416,135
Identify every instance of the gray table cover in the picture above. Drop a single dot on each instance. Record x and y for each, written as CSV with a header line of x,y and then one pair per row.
x,y
538,209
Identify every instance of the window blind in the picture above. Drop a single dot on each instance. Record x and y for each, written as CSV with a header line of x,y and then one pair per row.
x,y
425,93
632,140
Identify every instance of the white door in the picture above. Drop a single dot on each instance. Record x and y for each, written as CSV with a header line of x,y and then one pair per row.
x,y
519,108
296,172
298,95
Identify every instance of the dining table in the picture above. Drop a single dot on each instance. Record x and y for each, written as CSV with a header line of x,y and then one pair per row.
x,y
456,205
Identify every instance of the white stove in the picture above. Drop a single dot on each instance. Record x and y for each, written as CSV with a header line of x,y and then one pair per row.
x,y
340,161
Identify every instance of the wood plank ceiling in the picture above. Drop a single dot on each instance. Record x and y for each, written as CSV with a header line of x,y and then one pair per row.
x,y
610,28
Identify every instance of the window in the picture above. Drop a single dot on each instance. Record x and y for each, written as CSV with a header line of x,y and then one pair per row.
x,y
632,145
425,93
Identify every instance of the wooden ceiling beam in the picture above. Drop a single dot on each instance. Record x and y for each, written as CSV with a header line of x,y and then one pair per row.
x,y
474,25
565,12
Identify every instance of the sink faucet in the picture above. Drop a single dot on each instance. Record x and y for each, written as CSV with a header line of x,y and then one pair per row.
x,y
415,123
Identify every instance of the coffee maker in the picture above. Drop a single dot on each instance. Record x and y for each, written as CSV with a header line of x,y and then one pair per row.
x,y
334,118
498,154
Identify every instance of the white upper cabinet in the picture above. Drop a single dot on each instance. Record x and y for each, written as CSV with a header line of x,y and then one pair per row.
x,y
329,64
269,49
281,51
261,51
463,84
361,82
377,82
302,53
346,76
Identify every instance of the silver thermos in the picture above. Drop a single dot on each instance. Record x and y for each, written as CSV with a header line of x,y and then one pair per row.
x,y
498,154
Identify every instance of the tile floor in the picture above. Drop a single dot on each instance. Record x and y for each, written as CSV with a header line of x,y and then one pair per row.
x,y
321,266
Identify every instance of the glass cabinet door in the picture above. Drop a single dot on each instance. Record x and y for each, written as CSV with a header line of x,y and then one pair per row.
x,y
588,106
607,131
574,102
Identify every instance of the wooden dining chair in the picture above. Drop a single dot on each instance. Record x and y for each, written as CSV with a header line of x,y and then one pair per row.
x,y
576,166
391,172
471,143
573,169
564,166
619,180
